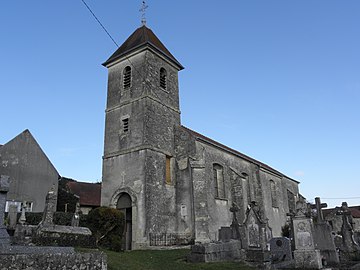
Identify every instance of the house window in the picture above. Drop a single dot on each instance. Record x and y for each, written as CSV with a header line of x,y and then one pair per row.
x,y
274,195
168,170
125,123
163,76
219,181
127,77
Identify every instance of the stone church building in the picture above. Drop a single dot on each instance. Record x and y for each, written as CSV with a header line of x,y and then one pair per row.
x,y
174,184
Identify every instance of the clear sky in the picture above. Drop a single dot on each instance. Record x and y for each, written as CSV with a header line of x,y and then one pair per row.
x,y
277,80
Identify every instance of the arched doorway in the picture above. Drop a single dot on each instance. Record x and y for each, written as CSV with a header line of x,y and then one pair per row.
x,y
124,204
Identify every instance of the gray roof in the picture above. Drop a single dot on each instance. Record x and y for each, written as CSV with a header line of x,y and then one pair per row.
x,y
201,137
142,37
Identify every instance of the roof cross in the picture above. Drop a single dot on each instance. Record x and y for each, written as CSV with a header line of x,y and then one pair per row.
x,y
143,12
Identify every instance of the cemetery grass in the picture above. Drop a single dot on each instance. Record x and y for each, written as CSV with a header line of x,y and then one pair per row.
x,y
163,259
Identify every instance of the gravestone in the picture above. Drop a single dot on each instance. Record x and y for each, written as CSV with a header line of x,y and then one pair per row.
x,y
235,226
50,208
225,234
305,254
48,232
280,249
76,217
4,188
257,233
349,249
22,219
323,237
12,216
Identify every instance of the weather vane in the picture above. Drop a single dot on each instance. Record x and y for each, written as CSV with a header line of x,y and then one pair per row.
x,y
143,12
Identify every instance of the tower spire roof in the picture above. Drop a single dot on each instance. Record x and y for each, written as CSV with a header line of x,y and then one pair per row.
x,y
142,37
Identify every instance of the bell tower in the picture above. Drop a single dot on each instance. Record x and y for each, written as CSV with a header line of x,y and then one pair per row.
x,y
141,113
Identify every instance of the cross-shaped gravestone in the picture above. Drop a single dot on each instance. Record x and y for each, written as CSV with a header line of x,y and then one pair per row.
x,y
235,224
318,206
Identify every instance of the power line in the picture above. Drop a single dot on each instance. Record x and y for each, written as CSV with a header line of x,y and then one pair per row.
x,y
348,198
103,27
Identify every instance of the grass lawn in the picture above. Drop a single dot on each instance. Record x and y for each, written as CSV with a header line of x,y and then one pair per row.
x,y
162,259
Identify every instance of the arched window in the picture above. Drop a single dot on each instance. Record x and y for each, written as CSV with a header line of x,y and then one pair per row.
x,y
127,77
219,181
124,201
274,195
163,78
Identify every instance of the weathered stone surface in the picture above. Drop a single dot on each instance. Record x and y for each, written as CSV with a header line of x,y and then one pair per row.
x,y
63,229
54,261
305,254
215,252
256,255
63,236
280,249
13,250
225,234
307,259
12,216
324,241
50,208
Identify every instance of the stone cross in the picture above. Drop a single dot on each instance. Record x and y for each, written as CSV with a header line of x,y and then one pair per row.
x,y
318,206
4,188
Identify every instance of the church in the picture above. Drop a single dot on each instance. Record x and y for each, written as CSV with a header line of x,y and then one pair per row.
x,y
174,185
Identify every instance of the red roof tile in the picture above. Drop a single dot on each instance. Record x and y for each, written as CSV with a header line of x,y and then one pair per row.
x,y
89,193
354,210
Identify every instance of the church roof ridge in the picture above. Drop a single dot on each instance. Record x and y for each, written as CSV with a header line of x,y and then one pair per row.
x,y
141,37
237,153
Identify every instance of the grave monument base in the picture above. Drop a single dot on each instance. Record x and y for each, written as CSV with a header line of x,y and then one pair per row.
x,y
307,259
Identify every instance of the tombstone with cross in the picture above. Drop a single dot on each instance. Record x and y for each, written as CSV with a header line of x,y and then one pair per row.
x,y
319,206
306,254
323,237
235,227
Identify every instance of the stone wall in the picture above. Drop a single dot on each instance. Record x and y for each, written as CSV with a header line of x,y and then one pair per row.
x,y
89,261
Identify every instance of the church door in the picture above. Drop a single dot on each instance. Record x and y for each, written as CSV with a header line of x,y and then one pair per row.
x,y
124,205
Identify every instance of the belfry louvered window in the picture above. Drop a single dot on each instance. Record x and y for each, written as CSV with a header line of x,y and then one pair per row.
x,y
125,124
163,77
127,77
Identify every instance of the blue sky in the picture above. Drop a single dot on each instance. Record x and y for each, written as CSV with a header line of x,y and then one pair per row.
x,y
276,80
